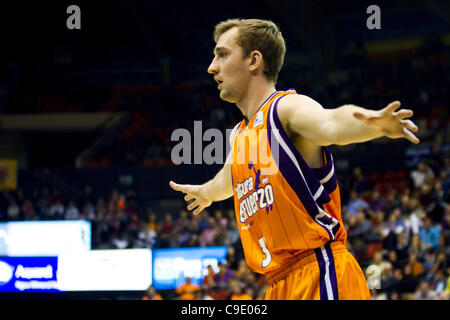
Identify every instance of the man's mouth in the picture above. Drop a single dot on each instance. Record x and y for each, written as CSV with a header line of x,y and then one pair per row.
x,y
219,82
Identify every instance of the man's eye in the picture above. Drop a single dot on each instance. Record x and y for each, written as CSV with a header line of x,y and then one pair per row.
x,y
222,54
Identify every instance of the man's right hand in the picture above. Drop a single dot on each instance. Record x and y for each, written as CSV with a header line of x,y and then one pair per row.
x,y
193,194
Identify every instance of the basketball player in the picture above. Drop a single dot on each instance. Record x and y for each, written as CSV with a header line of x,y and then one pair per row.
x,y
289,219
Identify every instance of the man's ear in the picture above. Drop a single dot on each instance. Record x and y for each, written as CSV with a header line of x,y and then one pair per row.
x,y
256,60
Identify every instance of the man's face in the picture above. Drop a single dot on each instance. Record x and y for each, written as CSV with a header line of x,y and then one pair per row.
x,y
229,67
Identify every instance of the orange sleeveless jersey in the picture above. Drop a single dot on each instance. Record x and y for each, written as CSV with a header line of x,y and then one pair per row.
x,y
283,207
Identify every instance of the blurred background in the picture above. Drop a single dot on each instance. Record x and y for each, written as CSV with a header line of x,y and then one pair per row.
x,y
86,118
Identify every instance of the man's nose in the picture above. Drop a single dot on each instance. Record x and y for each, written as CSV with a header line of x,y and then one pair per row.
x,y
213,68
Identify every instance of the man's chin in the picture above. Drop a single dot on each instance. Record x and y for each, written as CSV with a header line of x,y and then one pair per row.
x,y
225,97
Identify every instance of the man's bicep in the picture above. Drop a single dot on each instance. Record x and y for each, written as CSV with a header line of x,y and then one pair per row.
x,y
307,118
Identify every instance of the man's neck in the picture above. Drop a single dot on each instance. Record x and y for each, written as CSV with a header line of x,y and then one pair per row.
x,y
257,93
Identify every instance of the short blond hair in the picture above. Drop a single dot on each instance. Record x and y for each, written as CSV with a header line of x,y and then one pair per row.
x,y
261,35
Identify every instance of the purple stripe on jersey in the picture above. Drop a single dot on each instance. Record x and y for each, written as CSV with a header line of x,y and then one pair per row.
x,y
332,270
330,185
288,168
323,172
336,228
309,175
324,198
322,285
304,190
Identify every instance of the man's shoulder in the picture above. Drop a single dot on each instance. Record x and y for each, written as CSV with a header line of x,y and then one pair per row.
x,y
295,102
297,98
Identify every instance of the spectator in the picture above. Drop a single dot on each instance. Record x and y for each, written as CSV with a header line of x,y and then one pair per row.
x,y
182,222
402,249
421,174
223,277
221,220
429,235
396,220
389,235
194,225
261,294
47,214
165,235
237,293
447,288
57,209
146,236
359,182
208,235
168,224
203,221
243,270
439,282
436,207
187,290
424,292
153,222
121,240
389,281
57,197
183,237
151,294
408,283
416,266
440,264
13,212
445,228
414,221
360,227
393,259
72,212
88,212
208,280
231,234
28,210
392,200
377,202
253,283
379,261
355,204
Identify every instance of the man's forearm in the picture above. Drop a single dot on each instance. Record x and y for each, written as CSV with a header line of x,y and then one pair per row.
x,y
347,129
220,187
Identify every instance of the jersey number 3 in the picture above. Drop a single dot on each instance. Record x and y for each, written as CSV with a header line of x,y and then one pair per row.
x,y
268,259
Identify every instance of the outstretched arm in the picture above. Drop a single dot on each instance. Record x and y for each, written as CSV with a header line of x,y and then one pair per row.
x,y
202,196
346,124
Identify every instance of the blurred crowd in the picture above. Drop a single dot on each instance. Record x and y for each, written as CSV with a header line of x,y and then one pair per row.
x,y
399,234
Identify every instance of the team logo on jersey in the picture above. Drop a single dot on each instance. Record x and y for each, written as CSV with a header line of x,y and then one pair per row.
x,y
253,196
258,119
